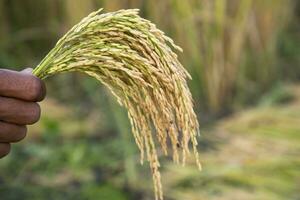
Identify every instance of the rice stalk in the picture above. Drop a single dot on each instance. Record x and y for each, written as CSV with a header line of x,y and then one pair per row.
x,y
135,61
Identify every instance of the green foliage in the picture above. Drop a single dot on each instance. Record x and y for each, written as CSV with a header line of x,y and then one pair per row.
x,y
256,157
85,169
102,192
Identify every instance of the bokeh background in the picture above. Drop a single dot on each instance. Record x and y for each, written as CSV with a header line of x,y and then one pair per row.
x,y
244,57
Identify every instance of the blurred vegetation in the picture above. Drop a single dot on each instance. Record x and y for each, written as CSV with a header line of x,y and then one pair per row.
x,y
240,53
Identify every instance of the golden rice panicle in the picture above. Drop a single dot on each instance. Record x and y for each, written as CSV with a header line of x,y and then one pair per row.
x,y
135,61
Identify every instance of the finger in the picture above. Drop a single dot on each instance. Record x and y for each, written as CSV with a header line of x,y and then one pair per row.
x,y
21,85
11,132
4,149
19,112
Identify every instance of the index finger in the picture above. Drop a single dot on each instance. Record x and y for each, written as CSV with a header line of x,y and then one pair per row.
x,y
21,85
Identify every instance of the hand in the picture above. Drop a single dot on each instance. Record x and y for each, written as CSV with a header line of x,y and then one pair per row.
x,y
19,92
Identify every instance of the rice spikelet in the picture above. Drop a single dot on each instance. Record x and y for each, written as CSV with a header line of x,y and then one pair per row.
x,y
135,61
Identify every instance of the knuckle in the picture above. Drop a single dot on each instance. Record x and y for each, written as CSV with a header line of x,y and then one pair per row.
x,y
34,113
4,149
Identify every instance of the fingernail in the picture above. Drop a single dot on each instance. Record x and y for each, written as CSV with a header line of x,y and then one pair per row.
x,y
28,70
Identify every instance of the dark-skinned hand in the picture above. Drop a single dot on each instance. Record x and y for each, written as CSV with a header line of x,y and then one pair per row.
x,y
19,94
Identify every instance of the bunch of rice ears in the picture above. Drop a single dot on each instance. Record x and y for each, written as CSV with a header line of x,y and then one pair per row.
x,y
133,59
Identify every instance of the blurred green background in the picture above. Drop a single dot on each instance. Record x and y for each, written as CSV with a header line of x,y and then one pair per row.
x,y
244,59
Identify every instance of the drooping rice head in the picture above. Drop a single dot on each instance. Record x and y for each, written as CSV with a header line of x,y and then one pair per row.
x,y
135,61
